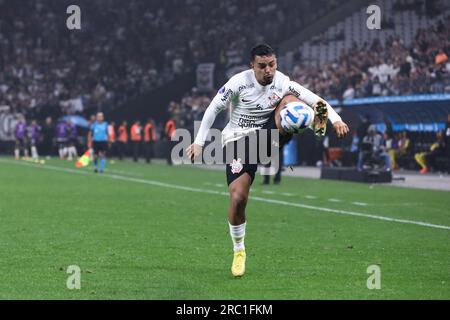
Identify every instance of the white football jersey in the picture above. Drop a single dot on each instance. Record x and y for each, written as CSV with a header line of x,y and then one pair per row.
x,y
252,104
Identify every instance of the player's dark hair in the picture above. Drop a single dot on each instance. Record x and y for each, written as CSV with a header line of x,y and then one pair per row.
x,y
262,49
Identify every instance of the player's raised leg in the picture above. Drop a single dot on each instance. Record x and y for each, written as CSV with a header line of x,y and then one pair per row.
x,y
320,116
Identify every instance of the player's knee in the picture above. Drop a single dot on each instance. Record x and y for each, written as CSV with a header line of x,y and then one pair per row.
x,y
239,197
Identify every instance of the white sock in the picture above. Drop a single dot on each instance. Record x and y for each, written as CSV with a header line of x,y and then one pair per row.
x,y
34,153
237,234
17,153
61,153
73,151
69,154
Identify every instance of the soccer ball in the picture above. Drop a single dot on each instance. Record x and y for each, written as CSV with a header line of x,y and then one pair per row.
x,y
296,117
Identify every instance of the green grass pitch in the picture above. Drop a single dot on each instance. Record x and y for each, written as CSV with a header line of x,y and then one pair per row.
x,y
156,232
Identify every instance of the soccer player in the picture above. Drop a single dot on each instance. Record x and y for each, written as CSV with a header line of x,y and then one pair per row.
x,y
62,136
21,138
98,134
254,95
34,134
72,141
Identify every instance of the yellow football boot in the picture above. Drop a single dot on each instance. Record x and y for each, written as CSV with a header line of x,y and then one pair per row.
x,y
320,118
238,267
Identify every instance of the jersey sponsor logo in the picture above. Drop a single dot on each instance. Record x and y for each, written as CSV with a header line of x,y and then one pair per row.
x,y
246,86
227,95
248,121
275,88
236,166
293,91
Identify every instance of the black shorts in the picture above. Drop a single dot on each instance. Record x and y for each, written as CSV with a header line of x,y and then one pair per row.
x,y
100,146
61,142
33,142
21,143
236,166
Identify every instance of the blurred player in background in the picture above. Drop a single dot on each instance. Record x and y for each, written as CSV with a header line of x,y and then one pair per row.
x,y
34,135
111,139
122,139
98,134
254,95
72,141
48,137
62,137
447,142
21,138
170,132
136,139
149,139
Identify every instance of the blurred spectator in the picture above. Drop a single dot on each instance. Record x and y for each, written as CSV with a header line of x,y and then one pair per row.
x,y
400,148
384,69
373,150
427,159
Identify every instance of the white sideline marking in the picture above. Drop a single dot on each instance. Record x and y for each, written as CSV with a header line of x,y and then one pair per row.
x,y
334,200
287,194
310,197
273,201
267,192
359,203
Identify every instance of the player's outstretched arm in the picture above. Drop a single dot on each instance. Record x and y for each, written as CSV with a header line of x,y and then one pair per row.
x,y
218,104
195,149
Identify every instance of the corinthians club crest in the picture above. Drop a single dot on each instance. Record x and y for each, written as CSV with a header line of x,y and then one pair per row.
x,y
236,166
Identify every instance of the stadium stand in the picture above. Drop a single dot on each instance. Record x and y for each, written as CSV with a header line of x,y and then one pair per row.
x,y
124,51
409,55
